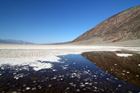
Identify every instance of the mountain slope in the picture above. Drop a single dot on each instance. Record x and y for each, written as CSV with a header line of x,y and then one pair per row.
x,y
123,26
11,41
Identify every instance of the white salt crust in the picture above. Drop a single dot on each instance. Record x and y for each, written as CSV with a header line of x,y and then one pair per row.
x,y
124,55
29,54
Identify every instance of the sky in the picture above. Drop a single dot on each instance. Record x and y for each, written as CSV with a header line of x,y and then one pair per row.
x,y
53,21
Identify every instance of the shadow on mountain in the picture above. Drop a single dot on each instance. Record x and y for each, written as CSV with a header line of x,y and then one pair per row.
x,y
122,67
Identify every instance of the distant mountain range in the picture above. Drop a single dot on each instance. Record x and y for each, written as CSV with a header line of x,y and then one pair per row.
x,y
61,43
122,27
11,41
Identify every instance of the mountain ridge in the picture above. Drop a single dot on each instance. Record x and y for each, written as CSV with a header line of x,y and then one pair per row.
x,y
12,41
123,26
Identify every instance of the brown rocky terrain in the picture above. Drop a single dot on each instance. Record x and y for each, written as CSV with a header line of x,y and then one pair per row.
x,y
124,26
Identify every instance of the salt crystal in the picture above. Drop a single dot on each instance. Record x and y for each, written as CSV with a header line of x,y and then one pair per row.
x,y
27,88
119,85
123,55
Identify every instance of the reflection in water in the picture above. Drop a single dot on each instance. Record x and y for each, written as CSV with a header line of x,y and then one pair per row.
x,y
74,74
124,65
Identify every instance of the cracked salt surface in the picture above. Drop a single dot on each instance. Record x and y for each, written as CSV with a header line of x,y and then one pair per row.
x,y
38,66
27,55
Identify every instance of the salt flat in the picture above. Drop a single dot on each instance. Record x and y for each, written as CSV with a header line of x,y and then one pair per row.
x,y
15,54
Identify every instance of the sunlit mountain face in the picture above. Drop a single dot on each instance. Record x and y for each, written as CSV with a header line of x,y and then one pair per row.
x,y
121,27
124,65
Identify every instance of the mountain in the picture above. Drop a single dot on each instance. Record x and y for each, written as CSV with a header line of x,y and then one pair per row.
x,y
61,43
11,41
122,27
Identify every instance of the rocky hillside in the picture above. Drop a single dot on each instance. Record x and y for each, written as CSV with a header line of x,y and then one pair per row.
x,y
123,26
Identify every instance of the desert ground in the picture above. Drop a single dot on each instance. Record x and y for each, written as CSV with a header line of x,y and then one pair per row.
x,y
16,54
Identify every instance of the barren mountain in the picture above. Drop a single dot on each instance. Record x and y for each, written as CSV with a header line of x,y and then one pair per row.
x,y
122,27
11,41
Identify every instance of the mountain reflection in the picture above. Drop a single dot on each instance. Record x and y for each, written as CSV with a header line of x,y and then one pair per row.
x,y
122,67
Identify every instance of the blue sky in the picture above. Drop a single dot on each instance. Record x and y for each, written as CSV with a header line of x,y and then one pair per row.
x,y
52,21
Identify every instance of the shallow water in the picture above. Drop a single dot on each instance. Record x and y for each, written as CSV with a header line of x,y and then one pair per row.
x,y
126,66
74,74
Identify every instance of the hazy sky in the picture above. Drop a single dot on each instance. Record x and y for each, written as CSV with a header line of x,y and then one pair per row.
x,y
51,21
